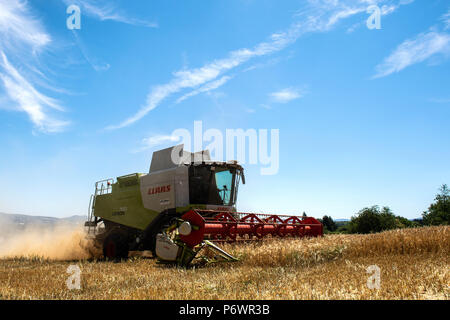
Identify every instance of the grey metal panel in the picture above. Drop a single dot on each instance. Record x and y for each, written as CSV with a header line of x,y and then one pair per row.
x,y
182,186
162,159
174,179
158,190
200,156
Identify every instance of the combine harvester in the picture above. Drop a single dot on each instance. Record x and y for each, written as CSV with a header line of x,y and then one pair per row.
x,y
179,208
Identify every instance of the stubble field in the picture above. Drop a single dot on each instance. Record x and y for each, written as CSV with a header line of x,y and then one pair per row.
x,y
413,264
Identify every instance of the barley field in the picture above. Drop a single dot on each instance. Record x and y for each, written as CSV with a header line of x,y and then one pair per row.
x,y
413,264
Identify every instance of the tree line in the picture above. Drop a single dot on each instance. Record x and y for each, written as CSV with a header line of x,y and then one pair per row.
x,y
376,219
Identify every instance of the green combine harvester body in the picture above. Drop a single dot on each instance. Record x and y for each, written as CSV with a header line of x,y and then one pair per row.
x,y
125,197
185,203
128,213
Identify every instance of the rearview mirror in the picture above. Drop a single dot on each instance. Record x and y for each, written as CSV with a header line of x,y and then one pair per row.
x,y
242,177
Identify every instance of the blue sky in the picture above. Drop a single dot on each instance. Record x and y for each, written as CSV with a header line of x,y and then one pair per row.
x,y
362,113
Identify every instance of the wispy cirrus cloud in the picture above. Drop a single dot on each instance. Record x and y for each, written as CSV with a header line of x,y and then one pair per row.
x,y
206,88
30,100
18,27
326,14
21,31
286,95
96,64
103,11
192,78
156,140
416,50
316,16
107,10
424,46
385,9
446,20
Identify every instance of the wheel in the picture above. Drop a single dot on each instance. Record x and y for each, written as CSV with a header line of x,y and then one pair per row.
x,y
115,246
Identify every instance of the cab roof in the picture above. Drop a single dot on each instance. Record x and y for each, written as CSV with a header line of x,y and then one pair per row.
x,y
176,156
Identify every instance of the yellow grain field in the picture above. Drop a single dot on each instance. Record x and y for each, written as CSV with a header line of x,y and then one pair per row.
x,y
413,264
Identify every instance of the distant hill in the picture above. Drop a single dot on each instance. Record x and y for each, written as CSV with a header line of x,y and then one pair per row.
x,y
13,223
22,218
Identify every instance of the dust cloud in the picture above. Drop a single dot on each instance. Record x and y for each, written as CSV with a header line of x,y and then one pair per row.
x,y
59,242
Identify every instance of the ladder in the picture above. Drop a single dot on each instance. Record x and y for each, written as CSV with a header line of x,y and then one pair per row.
x,y
101,187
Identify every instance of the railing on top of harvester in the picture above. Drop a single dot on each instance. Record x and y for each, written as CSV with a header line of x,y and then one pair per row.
x,y
101,187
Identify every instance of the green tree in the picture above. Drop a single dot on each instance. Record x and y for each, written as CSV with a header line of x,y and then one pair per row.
x,y
372,219
439,212
387,219
343,227
402,222
329,224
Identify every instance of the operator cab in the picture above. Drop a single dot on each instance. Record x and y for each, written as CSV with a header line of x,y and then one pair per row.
x,y
194,180
214,183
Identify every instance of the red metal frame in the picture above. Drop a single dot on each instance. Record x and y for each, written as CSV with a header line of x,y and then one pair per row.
x,y
233,226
